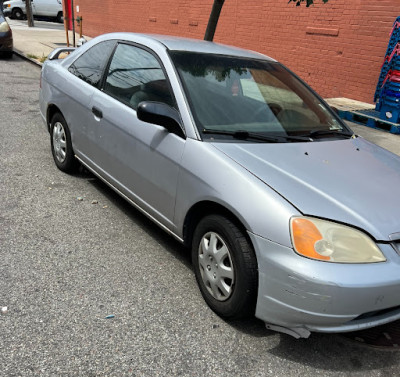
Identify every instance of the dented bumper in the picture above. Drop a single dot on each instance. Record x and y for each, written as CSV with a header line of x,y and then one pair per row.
x,y
299,295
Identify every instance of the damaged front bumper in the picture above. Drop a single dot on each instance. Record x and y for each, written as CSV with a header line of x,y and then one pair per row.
x,y
298,295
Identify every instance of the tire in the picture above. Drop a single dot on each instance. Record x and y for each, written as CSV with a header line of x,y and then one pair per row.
x,y
60,17
225,267
61,146
17,14
7,54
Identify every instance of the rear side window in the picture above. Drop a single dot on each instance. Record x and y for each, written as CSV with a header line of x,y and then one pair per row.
x,y
89,66
135,75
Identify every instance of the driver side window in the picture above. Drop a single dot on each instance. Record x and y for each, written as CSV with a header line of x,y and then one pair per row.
x,y
135,75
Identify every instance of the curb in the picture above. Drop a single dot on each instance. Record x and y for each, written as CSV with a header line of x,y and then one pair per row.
x,y
23,56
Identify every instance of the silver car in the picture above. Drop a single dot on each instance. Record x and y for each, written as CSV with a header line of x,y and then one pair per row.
x,y
289,216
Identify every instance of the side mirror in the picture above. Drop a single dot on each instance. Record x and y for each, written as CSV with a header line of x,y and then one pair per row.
x,y
161,114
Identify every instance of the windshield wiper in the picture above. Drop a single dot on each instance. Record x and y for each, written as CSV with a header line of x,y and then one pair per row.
x,y
328,133
245,135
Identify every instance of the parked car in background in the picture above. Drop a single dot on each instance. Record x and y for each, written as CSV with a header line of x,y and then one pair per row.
x,y
6,38
44,8
286,211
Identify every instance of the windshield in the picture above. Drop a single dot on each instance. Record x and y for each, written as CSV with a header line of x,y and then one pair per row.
x,y
230,94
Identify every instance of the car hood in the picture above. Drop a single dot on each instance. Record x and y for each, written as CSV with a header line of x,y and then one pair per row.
x,y
351,181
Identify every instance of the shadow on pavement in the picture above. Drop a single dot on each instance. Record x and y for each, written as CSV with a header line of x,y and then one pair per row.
x,y
333,352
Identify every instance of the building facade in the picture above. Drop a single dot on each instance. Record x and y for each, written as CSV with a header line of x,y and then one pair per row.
x,y
338,47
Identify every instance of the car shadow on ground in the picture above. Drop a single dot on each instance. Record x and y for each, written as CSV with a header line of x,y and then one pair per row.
x,y
334,352
330,352
174,247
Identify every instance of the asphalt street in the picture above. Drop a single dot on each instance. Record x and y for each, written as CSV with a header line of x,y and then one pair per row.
x,y
72,253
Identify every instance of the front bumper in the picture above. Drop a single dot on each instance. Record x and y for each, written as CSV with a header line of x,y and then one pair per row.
x,y
6,43
7,12
303,295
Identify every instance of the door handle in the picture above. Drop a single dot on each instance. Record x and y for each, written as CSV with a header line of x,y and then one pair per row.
x,y
97,112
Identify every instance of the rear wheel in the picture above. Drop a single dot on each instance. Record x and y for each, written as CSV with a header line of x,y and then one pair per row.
x,y
61,146
17,13
225,267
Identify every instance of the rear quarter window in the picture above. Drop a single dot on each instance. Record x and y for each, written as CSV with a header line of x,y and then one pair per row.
x,y
90,65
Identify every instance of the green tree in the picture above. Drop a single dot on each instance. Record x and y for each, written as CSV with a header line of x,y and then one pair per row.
x,y
216,11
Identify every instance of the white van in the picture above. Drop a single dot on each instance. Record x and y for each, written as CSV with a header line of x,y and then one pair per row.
x,y
46,8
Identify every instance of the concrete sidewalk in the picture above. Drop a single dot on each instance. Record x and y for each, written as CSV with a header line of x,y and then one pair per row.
x,y
35,43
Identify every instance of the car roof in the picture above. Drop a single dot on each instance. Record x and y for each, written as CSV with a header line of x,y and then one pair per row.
x,y
198,45
187,44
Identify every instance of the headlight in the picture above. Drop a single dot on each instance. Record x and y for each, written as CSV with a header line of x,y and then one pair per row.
x,y
4,27
331,242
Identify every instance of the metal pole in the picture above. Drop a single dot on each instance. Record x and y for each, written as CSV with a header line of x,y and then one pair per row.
x,y
73,22
66,20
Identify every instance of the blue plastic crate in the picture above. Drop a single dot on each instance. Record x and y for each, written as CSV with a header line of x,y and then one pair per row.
x,y
392,85
389,90
391,93
390,102
392,44
395,59
384,71
395,66
393,41
395,33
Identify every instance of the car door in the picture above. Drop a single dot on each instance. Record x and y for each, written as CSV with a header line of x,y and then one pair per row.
x,y
142,160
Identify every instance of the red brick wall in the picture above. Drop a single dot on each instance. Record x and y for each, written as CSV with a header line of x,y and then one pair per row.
x,y
338,48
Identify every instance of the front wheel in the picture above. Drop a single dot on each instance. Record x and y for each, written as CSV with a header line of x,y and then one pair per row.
x,y
61,146
17,13
225,267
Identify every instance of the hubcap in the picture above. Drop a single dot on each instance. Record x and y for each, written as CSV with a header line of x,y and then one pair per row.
x,y
59,142
216,266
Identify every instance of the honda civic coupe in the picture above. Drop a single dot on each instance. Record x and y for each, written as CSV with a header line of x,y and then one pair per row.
x,y
289,216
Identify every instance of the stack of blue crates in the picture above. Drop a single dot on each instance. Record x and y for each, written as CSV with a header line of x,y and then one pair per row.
x,y
387,94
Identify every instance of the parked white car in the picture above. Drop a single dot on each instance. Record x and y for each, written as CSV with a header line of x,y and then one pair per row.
x,y
46,8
